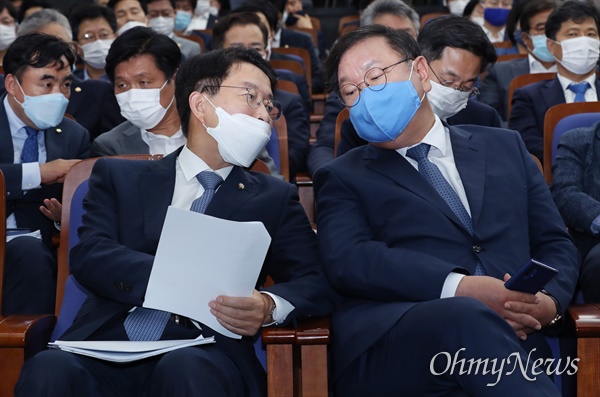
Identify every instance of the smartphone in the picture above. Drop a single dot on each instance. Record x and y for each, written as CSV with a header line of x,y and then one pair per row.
x,y
531,278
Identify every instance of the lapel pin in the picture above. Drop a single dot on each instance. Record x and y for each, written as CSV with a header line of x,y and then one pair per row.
x,y
241,186
58,130
77,89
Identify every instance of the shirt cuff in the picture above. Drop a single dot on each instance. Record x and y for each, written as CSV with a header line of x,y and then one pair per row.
x,y
32,178
282,309
451,284
595,225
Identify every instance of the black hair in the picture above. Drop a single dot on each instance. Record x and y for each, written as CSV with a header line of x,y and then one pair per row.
x,y
469,8
27,4
460,33
152,1
37,50
236,19
112,3
512,21
264,7
12,11
91,11
141,41
569,11
398,40
532,8
206,72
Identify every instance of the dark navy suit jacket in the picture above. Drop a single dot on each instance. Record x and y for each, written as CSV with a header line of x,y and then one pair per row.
x,y
292,38
494,90
297,120
529,107
388,240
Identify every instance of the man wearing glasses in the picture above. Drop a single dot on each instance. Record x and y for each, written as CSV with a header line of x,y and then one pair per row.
x,y
419,229
224,99
455,58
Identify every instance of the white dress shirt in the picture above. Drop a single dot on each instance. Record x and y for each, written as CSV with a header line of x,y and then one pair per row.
x,y
590,95
188,188
162,144
442,156
536,66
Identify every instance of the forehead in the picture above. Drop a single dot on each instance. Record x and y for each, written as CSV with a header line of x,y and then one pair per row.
x,y
95,23
396,22
4,13
159,5
585,24
143,64
53,69
244,34
247,75
127,4
54,29
368,53
459,62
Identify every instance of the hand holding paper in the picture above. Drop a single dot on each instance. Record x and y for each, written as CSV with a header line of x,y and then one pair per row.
x,y
242,316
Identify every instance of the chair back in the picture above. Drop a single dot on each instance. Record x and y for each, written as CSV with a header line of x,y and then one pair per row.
x,y
282,136
288,86
522,81
2,235
343,115
305,56
510,57
346,21
503,44
562,118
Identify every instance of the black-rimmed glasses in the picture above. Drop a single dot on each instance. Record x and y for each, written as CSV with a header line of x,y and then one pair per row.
x,y
472,91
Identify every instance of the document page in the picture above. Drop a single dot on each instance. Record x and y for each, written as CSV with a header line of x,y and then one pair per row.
x,y
200,257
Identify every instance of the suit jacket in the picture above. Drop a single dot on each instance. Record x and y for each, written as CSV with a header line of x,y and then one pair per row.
x,y
321,151
188,48
475,113
494,90
68,140
298,126
388,240
529,107
126,208
292,38
126,138
575,183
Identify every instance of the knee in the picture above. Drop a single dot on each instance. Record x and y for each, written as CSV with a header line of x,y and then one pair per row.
x,y
28,254
49,370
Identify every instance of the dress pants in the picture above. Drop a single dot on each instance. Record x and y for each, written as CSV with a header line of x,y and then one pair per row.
x,y
29,277
400,363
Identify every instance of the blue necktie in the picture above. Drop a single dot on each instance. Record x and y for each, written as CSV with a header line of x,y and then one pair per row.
x,y
579,90
433,175
30,152
149,324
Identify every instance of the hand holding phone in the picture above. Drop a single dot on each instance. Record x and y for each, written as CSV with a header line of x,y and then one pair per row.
x,y
531,278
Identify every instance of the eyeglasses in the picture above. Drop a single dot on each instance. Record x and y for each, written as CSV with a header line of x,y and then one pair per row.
x,y
473,91
103,34
254,99
375,79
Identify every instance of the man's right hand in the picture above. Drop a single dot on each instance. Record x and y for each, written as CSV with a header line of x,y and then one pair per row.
x,y
55,170
493,293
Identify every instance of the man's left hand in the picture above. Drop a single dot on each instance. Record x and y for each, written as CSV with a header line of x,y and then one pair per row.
x,y
242,316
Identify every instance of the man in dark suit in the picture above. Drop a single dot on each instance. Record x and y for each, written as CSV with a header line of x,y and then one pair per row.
x,y
420,229
576,192
38,146
496,84
208,93
244,29
572,31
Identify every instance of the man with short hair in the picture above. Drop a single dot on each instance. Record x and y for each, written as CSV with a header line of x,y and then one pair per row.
x,y
210,89
573,40
414,231
495,15
162,20
38,147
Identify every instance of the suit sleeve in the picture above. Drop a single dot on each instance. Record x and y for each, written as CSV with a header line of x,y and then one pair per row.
x,y
13,176
101,146
577,207
322,151
523,119
490,92
298,135
111,113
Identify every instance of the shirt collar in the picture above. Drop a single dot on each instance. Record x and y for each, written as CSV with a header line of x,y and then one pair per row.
x,y
536,66
192,165
564,82
436,138
147,135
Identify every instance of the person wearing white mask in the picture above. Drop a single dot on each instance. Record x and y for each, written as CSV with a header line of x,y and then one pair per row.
x,y
162,20
457,7
573,40
8,26
142,66
455,61
94,29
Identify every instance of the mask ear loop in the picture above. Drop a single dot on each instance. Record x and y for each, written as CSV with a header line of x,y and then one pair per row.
x,y
410,77
212,106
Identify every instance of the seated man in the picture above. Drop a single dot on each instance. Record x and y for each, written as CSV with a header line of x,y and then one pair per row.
x,y
495,14
210,89
39,146
162,20
142,65
576,192
572,31
496,84
420,229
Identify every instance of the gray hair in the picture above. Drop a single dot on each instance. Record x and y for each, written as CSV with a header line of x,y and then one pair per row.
x,y
42,18
393,7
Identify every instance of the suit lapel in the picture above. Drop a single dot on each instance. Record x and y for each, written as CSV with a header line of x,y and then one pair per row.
x,y
55,142
132,141
76,94
235,191
552,93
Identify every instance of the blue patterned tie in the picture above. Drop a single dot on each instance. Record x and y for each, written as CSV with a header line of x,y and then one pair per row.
x,y
433,175
149,324
30,152
579,90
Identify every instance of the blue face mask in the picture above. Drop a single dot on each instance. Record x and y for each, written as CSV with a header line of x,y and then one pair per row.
x,y
45,111
540,48
496,16
182,20
375,120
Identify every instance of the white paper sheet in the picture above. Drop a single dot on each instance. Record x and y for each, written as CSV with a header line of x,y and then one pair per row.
x,y
200,257
126,351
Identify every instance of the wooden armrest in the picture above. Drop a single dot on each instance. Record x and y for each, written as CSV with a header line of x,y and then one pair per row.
x,y
584,320
21,337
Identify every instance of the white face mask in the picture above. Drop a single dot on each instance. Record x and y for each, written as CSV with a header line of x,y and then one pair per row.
x,y
8,34
163,25
141,106
214,11
457,7
239,137
445,101
579,55
129,25
94,53
202,7
478,20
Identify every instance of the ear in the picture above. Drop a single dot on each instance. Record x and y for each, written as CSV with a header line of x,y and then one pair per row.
x,y
526,40
10,84
196,101
421,68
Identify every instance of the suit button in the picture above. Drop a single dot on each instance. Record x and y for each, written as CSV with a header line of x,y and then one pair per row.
x,y
121,286
477,249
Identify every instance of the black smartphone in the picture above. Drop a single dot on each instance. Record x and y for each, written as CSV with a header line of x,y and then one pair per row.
x,y
531,278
